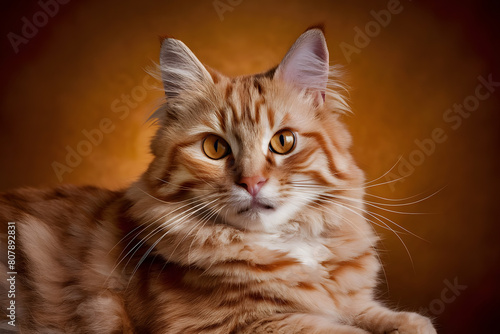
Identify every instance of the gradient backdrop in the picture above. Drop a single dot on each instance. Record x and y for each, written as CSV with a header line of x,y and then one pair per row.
x,y
81,72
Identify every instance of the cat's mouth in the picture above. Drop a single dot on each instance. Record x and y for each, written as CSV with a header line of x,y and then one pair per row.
x,y
256,206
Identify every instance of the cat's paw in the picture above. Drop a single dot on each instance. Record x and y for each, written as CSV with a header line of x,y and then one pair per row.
x,y
413,323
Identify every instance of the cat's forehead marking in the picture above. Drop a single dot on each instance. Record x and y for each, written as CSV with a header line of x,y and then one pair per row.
x,y
249,116
245,117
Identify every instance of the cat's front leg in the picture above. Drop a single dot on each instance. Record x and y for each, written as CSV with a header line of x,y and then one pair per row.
x,y
295,323
380,320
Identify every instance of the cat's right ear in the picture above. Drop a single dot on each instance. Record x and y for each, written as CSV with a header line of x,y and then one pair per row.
x,y
181,71
306,64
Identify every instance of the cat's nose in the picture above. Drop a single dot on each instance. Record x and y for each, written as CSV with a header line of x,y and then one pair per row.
x,y
252,184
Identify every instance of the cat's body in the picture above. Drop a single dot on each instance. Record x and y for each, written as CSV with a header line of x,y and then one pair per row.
x,y
248,220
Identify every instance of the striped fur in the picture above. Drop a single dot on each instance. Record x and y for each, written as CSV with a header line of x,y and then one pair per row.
x,y
185,249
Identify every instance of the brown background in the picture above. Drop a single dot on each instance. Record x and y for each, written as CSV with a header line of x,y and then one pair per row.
x,y
66,78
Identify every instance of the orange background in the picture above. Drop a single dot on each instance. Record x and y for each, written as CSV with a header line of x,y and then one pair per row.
x,y
73,73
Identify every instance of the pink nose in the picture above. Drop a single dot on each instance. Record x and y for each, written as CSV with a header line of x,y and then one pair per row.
x,y
252,184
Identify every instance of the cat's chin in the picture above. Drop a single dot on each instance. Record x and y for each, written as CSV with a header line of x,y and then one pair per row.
x,y
248,219
255,208
259,217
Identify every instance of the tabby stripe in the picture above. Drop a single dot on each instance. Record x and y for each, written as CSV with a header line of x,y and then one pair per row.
x,y
257,109
270,158
317,203
197,168
324,146
316,176
257,85
172,158
258,326
355,264
270,117
257,297
216,325
228,91
305,286
332,295
244,96
271,267
207,123
183,190
221,119
234,111
247,114
305,155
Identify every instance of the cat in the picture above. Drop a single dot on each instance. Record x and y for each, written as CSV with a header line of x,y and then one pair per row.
x,y
249,218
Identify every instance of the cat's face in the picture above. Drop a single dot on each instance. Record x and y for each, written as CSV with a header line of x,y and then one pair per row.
x,y
252,152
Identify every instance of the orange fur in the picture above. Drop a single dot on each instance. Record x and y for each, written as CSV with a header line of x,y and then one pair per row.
x,y
180,252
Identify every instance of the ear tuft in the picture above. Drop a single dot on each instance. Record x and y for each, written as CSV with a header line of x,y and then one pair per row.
x,y
306,64
180,69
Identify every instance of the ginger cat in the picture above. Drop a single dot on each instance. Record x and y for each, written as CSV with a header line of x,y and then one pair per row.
x,y
248,220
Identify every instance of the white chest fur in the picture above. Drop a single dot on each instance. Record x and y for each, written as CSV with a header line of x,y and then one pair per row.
x,y
307,251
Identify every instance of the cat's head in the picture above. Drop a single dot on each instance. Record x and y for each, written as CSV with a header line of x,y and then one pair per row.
x,y
256,151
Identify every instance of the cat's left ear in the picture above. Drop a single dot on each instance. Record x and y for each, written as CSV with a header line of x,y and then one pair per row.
x,y
181,71
306,64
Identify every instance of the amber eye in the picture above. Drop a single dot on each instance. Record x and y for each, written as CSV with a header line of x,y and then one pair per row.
x,y
282,142
215,147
